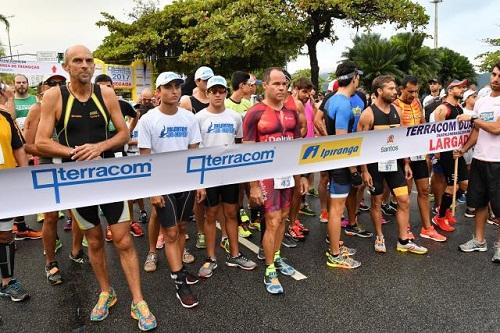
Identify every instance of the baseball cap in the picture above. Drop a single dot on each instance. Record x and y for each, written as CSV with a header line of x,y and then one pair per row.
x,y
216,80
203,73
457,83
48,77
468,93
167,77
333,86
433,80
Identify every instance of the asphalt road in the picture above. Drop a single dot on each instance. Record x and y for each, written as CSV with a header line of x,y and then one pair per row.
x,y
443,291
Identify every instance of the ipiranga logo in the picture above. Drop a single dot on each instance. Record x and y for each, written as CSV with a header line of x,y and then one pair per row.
x,y
64,176
205,163
330,150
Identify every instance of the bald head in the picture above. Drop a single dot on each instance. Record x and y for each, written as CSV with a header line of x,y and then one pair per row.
x,y
79,63
75,49
146,94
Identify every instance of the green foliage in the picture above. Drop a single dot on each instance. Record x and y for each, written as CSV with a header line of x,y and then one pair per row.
x,y
454,66
489,59
306,73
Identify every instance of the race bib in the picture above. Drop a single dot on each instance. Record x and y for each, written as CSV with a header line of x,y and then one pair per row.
x,y
283,182
118,154
20,122
417,158
56,160
388,166
487,116
2,159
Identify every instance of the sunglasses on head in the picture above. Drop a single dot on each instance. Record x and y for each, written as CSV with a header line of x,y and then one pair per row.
x,y
53,83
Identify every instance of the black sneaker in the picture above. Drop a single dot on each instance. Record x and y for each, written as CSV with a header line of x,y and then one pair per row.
x,y
184,293
15,291
470,212
260,254
144,217
190,278
355,230
363,207
387,209
81,258
288,241
53,273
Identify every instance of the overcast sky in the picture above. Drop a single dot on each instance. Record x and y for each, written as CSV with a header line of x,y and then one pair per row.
x,y
36,26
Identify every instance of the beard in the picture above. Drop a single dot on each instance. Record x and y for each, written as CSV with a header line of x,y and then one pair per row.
x,y
21,90
388,99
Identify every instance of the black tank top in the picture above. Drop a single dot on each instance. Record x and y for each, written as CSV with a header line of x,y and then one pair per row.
x,y
196,105
83,122
453,110
383,120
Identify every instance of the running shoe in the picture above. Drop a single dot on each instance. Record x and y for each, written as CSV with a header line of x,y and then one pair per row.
x,y
85,243
53,273
28,234
341,261
136,230
283,267
383,220
244,218
101,309
411,247
151,262
393,204
313,193
347,251
81,258
273,285
380,245
255,225
224,243
302,228
363,207
305,210
200,241
295,232
356,230
410,234
470,212
344,222
144,217
68,225
387,209
240,261
57,248
492,220
243,232
261,255
184,293
15,291
442,223
435,210
323,217
190,278
473,245
160,242
461,199
140,312
61,215
109,234
208,268
431,233
40,217
187,257
186,236
496,253
450,217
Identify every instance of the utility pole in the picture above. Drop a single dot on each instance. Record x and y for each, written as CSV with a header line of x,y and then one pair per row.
x,y
436,2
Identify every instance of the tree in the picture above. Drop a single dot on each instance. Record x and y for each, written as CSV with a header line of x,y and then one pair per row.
x,y
318,18
489,59
454,66
306,73
5,22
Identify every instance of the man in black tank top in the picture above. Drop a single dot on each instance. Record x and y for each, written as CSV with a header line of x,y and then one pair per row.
x,y
379,116
81,113
450,109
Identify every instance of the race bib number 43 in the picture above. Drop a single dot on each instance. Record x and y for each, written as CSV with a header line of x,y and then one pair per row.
x,y
283,182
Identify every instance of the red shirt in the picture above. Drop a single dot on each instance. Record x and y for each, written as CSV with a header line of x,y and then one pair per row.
x,y
262,123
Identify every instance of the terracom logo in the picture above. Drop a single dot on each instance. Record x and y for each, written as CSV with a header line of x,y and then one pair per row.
x,y
59,177
205,163
330,150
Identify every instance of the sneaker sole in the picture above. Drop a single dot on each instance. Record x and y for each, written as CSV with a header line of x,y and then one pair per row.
x,y
136,235
187,306
341,266
273,293
469,215
55,283
107,314
495,260
149,270
13,299
473,250
200,247
239,266
350,233
434,239
410,251
142,328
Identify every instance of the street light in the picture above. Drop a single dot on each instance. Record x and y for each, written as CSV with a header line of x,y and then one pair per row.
x,y
435,2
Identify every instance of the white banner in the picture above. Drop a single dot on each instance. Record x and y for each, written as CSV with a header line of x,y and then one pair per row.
x,y
53,187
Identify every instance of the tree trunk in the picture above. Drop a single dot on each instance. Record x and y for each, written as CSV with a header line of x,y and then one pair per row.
x,y
313,61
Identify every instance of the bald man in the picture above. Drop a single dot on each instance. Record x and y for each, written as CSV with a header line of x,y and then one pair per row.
x,y
83,135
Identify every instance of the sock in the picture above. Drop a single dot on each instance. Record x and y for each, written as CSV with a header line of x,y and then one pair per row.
x,y
403,241
445,204
277,255
270,269
7,260
262,229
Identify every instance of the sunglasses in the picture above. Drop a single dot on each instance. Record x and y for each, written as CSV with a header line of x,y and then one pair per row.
x,y
53,83
218,91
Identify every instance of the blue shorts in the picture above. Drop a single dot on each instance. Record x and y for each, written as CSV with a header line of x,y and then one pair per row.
x,y
339,191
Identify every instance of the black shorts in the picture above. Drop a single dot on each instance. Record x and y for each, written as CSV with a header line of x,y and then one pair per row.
x,y
484,185
419,169
222,194
447,162
395,180
88,217
178,208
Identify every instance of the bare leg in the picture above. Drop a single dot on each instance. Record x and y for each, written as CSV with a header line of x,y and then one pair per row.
x,y
49,231
376,214
403,215
334,226
97,256
153,230
172,248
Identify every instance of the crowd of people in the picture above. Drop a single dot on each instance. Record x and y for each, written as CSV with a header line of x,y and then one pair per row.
x,y
85,120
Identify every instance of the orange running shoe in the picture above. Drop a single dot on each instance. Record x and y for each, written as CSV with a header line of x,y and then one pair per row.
x,y
136,230
450,217
431,233
442,223
323,217
28,234
301,226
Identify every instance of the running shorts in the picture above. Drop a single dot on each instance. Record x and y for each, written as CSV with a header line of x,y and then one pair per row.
x,y
419,169
88,217
178,208
484,185
228,194
395,180
275,200
448,164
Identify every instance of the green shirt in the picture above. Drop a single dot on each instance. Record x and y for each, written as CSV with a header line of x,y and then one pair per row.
x,y
241,107
22,107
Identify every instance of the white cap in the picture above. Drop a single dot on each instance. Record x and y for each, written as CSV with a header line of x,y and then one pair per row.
x,y
216,81
167,77
468,93
203,73
47,77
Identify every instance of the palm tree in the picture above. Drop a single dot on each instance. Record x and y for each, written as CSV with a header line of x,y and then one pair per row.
x,y
5,21
454,66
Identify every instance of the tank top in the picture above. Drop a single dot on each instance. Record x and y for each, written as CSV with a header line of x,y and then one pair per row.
x,y
309,113
411,114
196,105
383,120
83,122
453,110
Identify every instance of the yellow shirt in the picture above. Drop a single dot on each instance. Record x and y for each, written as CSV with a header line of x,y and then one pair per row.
x,y
10,139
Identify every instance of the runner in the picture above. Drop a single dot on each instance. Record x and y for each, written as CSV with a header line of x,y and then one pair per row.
x,y
435,90
221,126
11,155
23,100
272,121
485,168
411,114
450,109
383,115
80,113
168,128
468,102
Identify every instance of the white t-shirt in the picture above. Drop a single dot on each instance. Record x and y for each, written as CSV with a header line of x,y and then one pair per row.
x,y
219,129
488,145
469,112
164,133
